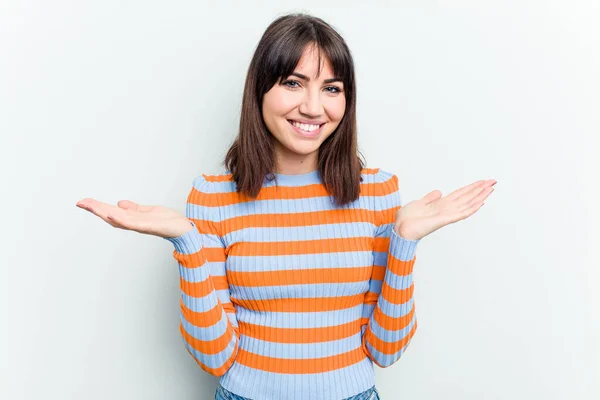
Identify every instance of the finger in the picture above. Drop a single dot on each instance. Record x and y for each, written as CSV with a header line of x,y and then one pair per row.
x,y
461,191
116,221
128,205
465,200
100,209
466,197
431,196
132,206
479,198
87,204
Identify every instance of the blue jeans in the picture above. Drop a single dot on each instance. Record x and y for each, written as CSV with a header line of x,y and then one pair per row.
x,y
224,394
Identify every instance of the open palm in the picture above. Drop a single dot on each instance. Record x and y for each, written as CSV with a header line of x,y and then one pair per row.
x,y
152,220
419,218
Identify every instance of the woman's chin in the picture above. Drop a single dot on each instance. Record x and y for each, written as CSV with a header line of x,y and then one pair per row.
x,y
301,147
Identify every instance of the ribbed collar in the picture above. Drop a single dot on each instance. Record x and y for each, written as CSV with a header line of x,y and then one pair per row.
x,y
309,178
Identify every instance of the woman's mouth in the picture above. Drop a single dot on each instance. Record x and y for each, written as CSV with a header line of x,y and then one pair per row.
x,y
306,130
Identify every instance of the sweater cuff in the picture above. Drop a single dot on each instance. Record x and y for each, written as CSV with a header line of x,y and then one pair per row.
x,y
401,248
188,243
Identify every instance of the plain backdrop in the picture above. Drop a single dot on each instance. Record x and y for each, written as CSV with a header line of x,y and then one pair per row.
x,y
133,99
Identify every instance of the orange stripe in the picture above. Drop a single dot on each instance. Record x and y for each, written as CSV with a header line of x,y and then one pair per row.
x,y
378,272
206,227
299,366
227,177
387,347
197,289
198,259
381,244
193,260
283,193
397,296
393,323
209,346
215,371
371,298
301,304
302,247
218,178
229,307
369,171
299,276
202,319
296,219
311,218
401,267
300,335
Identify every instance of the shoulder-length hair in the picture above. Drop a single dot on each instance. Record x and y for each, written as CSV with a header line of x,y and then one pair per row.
x,y
251,157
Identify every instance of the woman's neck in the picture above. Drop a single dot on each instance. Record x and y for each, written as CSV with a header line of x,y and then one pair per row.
x,y
296,164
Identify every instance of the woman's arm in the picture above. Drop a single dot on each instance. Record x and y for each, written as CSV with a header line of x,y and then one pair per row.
x,y
208,321
389,307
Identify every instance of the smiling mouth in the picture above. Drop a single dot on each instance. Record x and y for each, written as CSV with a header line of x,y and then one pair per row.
x,y
309,129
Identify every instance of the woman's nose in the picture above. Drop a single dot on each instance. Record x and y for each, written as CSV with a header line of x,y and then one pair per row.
x,y
311,105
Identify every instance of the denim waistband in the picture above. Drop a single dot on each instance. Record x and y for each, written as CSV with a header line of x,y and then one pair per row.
x,y
224,394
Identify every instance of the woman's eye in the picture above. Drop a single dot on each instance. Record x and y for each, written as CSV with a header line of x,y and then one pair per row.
x,y
295,84
287,83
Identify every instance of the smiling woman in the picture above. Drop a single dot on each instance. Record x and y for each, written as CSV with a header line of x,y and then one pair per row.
x,y
299,110
296,261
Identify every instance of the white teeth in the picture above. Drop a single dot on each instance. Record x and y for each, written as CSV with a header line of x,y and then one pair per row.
x,y
305,127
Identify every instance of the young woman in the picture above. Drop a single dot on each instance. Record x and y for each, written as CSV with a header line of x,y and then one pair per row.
x,y
296,260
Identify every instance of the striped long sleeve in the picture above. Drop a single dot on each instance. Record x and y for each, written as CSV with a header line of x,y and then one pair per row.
x,y
389,304
208,321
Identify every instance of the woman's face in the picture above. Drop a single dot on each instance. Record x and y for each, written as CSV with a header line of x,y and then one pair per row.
x,y
302,112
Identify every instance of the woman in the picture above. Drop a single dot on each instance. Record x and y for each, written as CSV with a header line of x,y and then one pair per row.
x,y
296,260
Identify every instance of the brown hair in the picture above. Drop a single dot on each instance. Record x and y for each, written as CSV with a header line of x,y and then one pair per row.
x,y
251,157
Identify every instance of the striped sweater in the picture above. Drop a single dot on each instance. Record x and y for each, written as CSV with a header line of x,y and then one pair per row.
x,y
287,296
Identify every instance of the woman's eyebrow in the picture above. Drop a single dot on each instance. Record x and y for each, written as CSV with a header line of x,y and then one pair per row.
x,y
306,78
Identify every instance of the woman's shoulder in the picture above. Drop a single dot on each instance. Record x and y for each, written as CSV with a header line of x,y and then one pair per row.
x,y
377,175
214,181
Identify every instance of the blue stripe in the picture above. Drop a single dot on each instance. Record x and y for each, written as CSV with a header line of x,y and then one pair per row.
x,y
208,333
213,360
197,274
386,359
375,285
368,310
291,206
310,232
399,282
306,291
296,351
199,304
316,319
401,248
300,261
394,310
391,336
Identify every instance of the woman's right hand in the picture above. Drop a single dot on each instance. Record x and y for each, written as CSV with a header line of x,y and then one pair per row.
x,y
151,220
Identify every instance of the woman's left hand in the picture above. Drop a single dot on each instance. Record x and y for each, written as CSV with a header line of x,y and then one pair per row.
x,y
419,218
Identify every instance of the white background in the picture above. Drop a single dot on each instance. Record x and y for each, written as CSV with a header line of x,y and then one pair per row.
x,y
133,99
